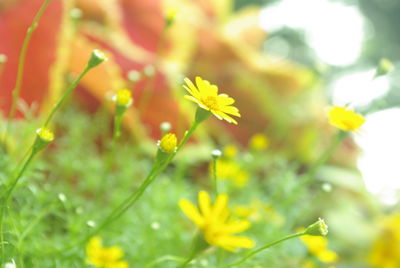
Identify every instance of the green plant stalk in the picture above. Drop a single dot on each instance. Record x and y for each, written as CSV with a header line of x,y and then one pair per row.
x,y
336,141
21,64
254,252
133,197
7,197
194,252
215,178
65,95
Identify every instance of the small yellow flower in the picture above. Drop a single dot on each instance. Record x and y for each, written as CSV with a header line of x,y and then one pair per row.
x,y
318,246
123,98
345,119
168,143
207,97
103,257
385,251
231,170
259,142
213,221
45,134
230,151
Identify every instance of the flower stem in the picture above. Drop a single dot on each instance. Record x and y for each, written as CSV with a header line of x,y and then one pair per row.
x,y
336,141
215,178
21,63
8,195
66,93
254,252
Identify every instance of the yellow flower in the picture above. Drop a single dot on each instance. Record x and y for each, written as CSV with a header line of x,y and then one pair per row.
x,y
385,251
207,97
259,142
318,246
230,151
345,119
123,98
102,257
213,221
231,170
168,143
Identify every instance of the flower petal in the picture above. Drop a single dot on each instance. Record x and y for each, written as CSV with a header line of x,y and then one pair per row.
x,y
204,203
191,212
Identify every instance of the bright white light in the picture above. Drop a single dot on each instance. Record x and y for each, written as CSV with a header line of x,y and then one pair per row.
x,y
379,162
359,89
334,30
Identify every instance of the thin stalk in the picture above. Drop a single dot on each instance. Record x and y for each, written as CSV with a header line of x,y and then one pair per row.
x,y
337,140
8,195
194,251
254,252
21,63
133,197
215,178
66,93
163,259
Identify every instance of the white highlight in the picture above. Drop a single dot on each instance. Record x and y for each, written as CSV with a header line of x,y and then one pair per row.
x,y
379,162
334,30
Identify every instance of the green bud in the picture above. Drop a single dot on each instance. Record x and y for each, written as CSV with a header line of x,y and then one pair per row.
x,y
385,66
96,58
319,228
216,154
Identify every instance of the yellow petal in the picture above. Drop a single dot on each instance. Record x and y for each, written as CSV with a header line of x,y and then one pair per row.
x,y
204,203
235,242
327,256
237,226
191,212
220,205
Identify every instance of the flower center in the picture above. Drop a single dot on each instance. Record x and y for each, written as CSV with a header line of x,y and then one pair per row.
x,y
211,102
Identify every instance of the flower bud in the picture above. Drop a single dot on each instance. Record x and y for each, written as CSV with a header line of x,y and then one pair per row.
x,y
123,98
44,137
96,58
134,76
76,13
3,58
149,70
319,228
168,143
170,17
165,127
385,66
216,154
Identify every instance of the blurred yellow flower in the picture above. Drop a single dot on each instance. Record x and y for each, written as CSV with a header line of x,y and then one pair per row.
x,y
259,142
168,143
257,211
102,257
230,151
345,119
207,97
385,251
231,170
318,246
213,221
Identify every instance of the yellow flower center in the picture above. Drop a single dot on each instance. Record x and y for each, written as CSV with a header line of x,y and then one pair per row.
x,y
211,102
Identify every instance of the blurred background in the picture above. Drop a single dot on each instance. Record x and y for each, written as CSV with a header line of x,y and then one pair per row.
x,y
283,61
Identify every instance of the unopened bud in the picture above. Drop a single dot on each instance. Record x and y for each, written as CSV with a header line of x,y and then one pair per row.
x,y
385,66
44,137
216,154
319,228
96,58
168,143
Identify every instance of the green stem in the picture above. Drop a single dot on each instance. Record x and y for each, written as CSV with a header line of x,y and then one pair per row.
x,y
8,195
215,181
21,63
337,140
254,252
163,259
133,197
194,251
66,93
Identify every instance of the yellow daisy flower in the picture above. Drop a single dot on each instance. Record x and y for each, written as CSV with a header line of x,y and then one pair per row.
x,y
103,257
345,119
318,246
213,221
207,97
